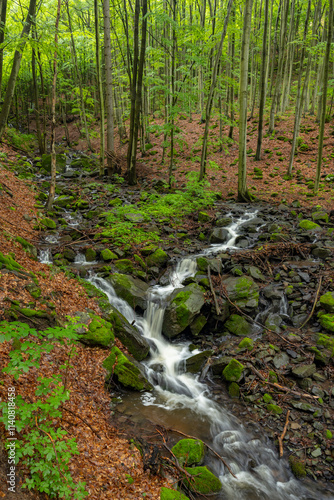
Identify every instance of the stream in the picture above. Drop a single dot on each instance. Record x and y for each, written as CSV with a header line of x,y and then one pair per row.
x,y
185,402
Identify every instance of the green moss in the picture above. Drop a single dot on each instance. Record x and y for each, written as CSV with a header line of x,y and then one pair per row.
x,y
158,258
202,264
116,202
329,434
126,372
309,225
276,410
204,217
107,254
149,249
189,451
124,265
140,261
9,262
31,313
238,325
100,332
234,390
90,254
48,223
327,321
327,301
203,481
182,312
168,494
233,371
297,467
243,287
246,343
267,398
326,341
34,290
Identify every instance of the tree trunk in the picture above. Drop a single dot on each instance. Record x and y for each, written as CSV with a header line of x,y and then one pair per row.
x,y
263,83
3,11
99,83
108,87
52,191
243,194
324,96
16,67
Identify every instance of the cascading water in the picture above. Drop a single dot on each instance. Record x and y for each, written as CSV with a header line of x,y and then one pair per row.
x,y
260,474
45,256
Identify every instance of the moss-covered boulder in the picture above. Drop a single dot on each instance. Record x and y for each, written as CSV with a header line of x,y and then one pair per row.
x,y
125,371
9,262
234,390
136,344
29,248
238,325
148,249
243,291
63,201
275,409
309,225
185,305
204,262
60,162
233,371
203,481
327,321
198,324
158,258
327,301
90,254
125,266
204,217
132,290
100,333
69,254
48,223
168,494
107,255
320,216
196,362
189,451
246,343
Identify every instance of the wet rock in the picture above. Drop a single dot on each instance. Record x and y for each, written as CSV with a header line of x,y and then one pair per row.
x,y
223,222
273,292
303,406
203,481
198,324
189,451
298,320
69,254
322,253
219,235
327,301
238,325
243,291
196,362
304,371
273,322
132,290
185,305
204,262
219,364
281,360
233,371
126,372
90,254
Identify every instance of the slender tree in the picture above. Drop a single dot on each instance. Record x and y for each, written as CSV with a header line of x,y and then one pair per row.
x,y
243,194
99,83
3,12
108,87
263,82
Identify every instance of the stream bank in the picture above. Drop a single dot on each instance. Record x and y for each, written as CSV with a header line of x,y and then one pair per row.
x,y
290,257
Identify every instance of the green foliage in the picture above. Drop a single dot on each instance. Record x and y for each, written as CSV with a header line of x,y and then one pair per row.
x,y
44,448
26,142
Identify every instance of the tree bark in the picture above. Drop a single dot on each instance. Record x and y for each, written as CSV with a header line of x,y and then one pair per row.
x,y
263,83
99,83
3,12
108,86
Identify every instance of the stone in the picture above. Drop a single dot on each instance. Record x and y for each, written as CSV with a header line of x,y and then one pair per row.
x,y
327,322
136,344
198,324
303,406
204,217
255,273
100,333
158,258
168,494
185,305
219,364
107,254
238,325
189,451
126,372
63,201
273,322
234,390
316,453
243,291
124,266
219,235
196,362
246,343
322,253
327,301
233,371
132,290
309,225
275,409
29,248
60,162
203,481
304,371
203,263
90,255
320,216
281,360
48,223
69,254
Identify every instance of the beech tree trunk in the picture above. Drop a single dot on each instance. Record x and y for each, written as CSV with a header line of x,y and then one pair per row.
x,y
3,11
263,83
108,87
99,83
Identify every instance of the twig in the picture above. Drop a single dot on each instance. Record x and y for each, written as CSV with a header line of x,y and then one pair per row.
x,y
314,304
211,449
281,437
213,292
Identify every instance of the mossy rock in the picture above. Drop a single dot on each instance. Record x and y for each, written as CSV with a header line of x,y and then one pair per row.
x,y
320,216
125,266
33,313
327,301
31,249
82,204
140,261
149,249
127,374
158,258
326,341
327,321
234,390
308,225
184,306
233,371
275,409
198,324
132,290
243,291
168,494
197,361
116,202
34,290
203,481
204,217
100,333
48,223
297,467
246,343
107,254
90,254
9,262
238,325
60,162
69,254
189,451
83,163
63,201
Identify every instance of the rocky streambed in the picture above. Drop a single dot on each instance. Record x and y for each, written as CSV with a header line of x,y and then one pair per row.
x,y
256,317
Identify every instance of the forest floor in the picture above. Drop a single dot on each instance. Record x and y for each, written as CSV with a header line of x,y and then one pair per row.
x,y
107,460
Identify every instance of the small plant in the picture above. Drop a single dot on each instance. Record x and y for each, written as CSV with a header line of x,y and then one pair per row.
x,y
42,447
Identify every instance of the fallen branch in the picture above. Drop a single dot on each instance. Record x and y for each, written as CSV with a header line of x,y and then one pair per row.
x,y
314,304
209,447
281,437
213,292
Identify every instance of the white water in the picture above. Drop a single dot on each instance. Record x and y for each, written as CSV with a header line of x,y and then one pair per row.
x,y
80,260
260,474
45,256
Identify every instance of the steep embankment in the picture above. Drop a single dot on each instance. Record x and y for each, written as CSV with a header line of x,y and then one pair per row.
x,y
107,463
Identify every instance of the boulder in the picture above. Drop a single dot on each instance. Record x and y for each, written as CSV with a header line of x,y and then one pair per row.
x,y
243,291
327,301
308,225
124,266
189,451
168,494
219,235
127,373
238,325
132,290
63,201
100,333
197,361
304,371
185,305
203,481
60,162
158,258
233,371
327,321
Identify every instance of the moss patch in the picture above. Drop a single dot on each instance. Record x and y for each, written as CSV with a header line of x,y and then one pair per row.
x,y
327,321
238,325
246,343
233,371
189,451
276,410
126,372
159,258
327,301
203,481
297,467
107,254
168,494
100,332
308,225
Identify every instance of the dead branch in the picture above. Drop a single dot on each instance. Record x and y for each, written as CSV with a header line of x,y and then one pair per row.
x,y
213,292
314,304
281,437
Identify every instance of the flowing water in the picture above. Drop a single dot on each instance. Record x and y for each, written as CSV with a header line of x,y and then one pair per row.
x,y
181,400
